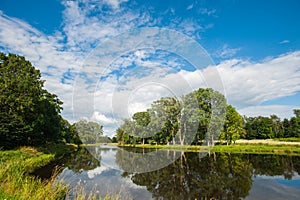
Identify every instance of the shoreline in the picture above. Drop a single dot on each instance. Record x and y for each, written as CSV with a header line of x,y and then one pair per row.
x,y
268,146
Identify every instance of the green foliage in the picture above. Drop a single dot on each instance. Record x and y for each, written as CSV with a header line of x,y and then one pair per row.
x,y
272,127
88,131
259,128
29,114
234,126
201,115
173,121
104,139
291,139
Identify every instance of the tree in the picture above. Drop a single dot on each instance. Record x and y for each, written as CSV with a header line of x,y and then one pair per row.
x,y
276,126
212,105
234,125
142,119
259,128
188,119
29,114
297,113
120,135
114,139
89,132
69,133
295,124
165,118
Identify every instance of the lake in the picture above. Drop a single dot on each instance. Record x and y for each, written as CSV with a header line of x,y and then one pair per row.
x,y
132,173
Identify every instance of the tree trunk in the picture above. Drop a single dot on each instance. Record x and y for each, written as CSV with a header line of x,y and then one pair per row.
x,y
182,135
212,141
173,137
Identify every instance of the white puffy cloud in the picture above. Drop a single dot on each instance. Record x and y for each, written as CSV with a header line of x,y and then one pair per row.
x,y
102,118
250,84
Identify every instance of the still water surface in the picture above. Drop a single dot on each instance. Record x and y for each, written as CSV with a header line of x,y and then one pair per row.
x,y
106,170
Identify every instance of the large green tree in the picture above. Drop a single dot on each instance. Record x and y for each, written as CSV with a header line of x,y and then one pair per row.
x,y
89,132
234,125
212,111
29,114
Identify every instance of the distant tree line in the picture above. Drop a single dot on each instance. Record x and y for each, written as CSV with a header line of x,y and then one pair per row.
x,y
272,127
201,116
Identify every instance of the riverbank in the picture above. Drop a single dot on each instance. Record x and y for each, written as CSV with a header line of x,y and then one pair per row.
x,y
16,165
17,181
241,146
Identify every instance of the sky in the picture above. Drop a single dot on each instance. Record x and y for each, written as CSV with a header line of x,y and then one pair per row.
x,y
107,59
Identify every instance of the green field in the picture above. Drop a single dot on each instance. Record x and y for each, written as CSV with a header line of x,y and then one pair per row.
x,y
250,147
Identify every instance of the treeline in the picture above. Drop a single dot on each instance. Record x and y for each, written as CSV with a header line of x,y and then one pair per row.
x,y
201,116
29,114
272,127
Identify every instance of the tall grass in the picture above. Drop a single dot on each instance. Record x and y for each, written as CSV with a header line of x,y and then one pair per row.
x,y
79,193
15,183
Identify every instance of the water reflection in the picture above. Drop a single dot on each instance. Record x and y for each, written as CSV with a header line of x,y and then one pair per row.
x,y
191,176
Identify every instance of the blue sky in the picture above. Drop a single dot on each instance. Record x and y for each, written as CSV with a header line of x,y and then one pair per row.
x,y
254,45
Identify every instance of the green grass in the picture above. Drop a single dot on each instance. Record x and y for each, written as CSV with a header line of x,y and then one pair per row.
x,y
15,183
259,149
293,139
237,148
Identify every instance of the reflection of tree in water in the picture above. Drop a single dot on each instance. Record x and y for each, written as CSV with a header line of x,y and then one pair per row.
x,y
273,165
191,177
221,176
83,159
144,160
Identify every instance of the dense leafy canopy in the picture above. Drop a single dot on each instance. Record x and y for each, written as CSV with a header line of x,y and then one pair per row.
x,y
272,127
196,116
202,115
29,114
89,132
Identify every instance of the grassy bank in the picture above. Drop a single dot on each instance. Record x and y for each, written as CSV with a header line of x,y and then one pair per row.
x,y
253,147
15,183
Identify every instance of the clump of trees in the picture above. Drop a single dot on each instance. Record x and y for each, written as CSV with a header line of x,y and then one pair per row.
x,y
29,114
272,127
200,115
89,132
